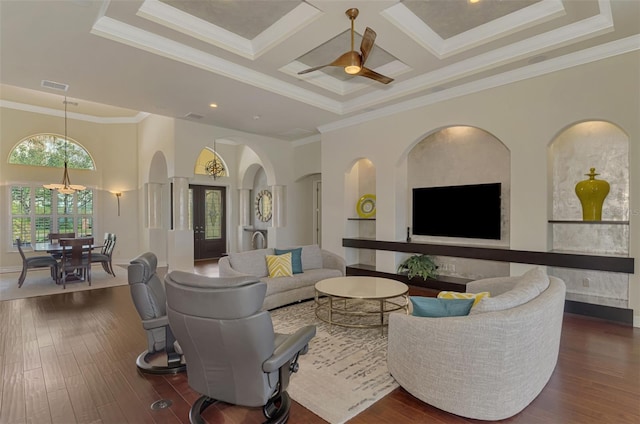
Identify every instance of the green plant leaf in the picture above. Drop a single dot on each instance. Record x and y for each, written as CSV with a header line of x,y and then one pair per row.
x,y
419,265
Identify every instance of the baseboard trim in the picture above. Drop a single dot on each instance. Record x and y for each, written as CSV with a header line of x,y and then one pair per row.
x,y
7,269
609,313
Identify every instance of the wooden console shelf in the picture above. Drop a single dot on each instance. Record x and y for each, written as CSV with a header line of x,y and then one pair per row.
x,y
569,221
439,283
557,259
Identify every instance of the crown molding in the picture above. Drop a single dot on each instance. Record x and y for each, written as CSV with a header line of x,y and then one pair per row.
x,y
406,21
307,140
285,27
140,116
170,17
578,31
614,48
148,41
132,36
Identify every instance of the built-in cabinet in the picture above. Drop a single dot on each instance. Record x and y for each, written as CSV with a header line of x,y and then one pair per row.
x,y
591,257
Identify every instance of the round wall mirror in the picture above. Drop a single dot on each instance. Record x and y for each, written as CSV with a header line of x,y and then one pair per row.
x,y
264,206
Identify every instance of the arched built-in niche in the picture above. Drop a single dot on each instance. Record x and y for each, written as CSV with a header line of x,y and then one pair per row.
x,y
360,180
462,155
579,147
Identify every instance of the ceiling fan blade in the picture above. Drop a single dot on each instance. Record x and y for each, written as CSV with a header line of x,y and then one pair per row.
x,y
348,58
368,39
313,69
366,72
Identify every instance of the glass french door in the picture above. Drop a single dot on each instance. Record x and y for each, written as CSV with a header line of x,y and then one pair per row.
x,y
207,216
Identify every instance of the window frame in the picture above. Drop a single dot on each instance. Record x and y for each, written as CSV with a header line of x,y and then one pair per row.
x,y
33,215
53,142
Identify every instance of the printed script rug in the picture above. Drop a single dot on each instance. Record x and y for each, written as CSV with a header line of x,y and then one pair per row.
x,y
343,373
39,282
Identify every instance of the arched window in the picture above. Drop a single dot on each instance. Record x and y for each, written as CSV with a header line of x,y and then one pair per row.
x,y
207,156
50,150
36,211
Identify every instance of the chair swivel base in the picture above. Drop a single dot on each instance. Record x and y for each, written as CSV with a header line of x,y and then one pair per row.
x,y
174,366
274,415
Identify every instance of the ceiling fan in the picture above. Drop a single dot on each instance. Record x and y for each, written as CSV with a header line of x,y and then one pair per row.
x,y
352,61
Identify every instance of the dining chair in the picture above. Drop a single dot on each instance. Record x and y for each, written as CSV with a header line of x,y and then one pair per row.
x,y
104,257
55,238
73,259
42,261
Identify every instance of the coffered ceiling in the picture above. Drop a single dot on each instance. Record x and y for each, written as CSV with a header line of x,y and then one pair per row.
x,y
176,57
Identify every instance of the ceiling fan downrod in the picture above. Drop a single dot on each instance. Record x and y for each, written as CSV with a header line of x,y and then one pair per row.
x,y
352,14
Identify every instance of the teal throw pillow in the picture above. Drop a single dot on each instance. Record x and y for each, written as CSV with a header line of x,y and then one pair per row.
x,y
437,308
296,258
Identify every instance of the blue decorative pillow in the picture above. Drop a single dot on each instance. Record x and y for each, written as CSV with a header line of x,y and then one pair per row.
x,y
296,258
436,308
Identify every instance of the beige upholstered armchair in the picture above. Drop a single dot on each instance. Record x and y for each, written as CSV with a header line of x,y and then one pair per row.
x,y
487,365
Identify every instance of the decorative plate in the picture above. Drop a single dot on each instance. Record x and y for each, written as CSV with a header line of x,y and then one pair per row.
x,y
366,206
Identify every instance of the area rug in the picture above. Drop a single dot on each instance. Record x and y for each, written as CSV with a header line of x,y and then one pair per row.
x,y
39,283
343,373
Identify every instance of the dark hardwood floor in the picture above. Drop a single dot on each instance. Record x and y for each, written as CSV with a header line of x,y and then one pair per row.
x,y
69,358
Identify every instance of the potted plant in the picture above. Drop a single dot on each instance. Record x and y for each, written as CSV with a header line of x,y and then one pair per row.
x,y
421,265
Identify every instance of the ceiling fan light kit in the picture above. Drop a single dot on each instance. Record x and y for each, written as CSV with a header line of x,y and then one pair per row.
x,y
353,62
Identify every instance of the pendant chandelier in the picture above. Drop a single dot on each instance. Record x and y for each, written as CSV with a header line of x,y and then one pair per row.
x,y
215,168
65,187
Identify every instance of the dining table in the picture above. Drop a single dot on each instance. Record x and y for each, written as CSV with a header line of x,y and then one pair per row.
x,y
57,248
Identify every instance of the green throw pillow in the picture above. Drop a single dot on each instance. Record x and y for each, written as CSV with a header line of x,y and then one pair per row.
x,y
436,308
296,258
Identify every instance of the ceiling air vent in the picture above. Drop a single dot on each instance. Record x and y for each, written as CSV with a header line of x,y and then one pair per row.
x,y
54,85
192,115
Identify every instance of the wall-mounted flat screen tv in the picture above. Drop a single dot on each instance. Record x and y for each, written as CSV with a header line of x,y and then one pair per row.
x,y
469,211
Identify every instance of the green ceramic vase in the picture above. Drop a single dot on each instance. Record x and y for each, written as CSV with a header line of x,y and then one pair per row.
x,y
592,193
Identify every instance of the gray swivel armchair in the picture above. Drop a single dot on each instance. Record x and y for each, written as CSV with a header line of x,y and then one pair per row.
x,y
148,295
232,352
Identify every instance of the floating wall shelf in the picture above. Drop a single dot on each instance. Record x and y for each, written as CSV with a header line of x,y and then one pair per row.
x,y
558,259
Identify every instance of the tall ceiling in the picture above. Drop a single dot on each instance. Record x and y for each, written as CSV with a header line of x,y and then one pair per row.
x,y
176,57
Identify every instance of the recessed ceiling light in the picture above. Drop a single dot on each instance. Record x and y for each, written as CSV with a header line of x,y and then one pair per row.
x,y
256,117
474,1
213,105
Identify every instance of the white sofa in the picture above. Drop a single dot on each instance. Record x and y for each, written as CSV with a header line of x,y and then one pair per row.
x,y
490,364
317,264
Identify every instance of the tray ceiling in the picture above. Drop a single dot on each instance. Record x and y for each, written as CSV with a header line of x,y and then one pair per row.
x,y
175,57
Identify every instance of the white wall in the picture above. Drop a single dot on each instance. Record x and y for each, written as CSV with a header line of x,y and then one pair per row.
x,y
526,116
306,159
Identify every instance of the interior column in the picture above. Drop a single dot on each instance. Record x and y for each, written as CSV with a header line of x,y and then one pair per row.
x,y
180,249
244,219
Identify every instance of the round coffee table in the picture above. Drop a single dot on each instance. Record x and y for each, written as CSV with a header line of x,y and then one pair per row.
x,y
365,288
